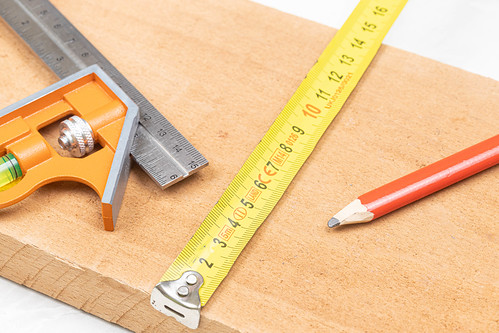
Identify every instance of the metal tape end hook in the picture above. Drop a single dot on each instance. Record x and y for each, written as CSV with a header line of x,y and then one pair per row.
x,y
180,298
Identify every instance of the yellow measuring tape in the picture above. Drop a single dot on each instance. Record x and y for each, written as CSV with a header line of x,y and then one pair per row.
x,y
271,167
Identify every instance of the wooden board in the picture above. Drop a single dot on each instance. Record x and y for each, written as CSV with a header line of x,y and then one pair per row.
x,y
221,71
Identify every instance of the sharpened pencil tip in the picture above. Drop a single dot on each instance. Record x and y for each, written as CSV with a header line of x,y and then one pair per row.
x,y
333,222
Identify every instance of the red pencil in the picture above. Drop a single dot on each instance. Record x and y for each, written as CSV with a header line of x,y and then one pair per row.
x,y
423,182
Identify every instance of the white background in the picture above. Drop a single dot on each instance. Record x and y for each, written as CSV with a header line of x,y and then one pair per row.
x,y
461,33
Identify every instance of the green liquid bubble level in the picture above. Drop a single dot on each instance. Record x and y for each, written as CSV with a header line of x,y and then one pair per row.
x,y
9,171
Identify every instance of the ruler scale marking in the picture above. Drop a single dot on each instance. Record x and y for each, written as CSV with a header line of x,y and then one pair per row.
x,y
159,148
275,161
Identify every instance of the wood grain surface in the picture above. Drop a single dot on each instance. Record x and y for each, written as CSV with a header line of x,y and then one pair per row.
x,y
221,71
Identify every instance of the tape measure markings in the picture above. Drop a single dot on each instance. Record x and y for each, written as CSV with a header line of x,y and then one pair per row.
x,y
275,161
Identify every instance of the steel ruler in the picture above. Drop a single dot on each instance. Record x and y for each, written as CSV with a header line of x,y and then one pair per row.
x,y
164,154
207,258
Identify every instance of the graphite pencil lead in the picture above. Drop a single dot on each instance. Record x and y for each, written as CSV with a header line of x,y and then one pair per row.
x,y
333,222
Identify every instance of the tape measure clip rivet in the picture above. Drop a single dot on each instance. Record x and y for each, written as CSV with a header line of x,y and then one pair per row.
x,y
180,298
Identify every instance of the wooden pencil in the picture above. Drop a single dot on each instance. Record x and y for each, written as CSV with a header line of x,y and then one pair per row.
x,y
419,184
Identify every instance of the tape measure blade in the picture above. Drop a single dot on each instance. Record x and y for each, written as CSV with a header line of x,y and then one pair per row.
x,y
65,50
212,283
332,79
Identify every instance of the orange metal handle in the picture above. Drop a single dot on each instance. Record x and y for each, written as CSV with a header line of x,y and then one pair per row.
x,y
87,97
